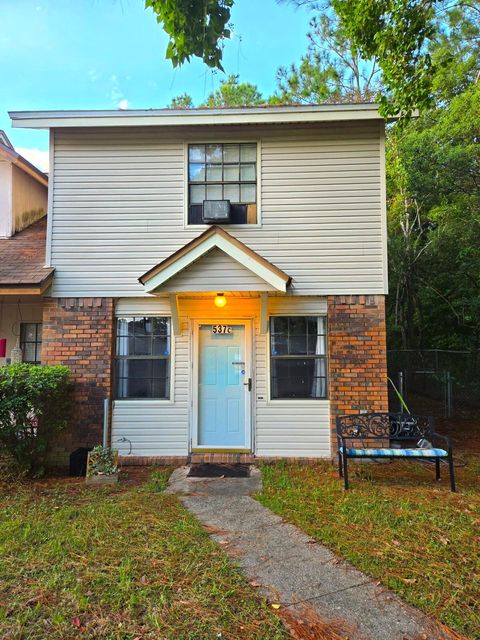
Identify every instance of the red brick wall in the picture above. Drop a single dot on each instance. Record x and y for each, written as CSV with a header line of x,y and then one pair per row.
x,y
78,333
357,356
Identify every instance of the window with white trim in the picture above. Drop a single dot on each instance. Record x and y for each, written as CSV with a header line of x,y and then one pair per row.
x,y
142,363
298,357
221,171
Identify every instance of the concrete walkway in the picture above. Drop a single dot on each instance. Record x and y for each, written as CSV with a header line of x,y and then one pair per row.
x,y
292,569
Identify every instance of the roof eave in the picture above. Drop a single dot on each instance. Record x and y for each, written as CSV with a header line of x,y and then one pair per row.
x,y
21,162
192,117
27,288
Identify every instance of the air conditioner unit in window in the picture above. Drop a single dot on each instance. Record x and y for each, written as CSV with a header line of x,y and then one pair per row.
x,y
216,211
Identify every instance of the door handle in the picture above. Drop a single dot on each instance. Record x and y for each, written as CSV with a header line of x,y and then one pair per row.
x,y
248,384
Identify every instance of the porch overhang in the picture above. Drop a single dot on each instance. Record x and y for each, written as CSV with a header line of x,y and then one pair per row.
x,y
215,238
37,288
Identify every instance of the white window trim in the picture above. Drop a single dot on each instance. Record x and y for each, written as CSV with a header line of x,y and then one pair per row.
x,y
294,401
149,401
207,140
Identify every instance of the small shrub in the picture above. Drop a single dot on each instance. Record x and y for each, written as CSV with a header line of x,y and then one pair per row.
x,y
102,461
34,407
10,470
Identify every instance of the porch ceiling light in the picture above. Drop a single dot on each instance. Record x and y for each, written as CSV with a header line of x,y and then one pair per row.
x,y
220,300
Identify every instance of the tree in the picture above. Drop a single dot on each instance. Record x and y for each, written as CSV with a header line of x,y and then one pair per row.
x,y
231,93
331,71
194,28
456,53
398,33
434,227
183,101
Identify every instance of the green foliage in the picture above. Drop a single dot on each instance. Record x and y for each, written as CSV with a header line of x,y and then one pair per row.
x,y
158,480
195,28
233,93
398,34
434,228
406,38
34,407
456,52
331,71
183,101
102,461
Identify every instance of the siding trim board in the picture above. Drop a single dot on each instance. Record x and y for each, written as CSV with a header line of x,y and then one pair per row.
x,y
183,117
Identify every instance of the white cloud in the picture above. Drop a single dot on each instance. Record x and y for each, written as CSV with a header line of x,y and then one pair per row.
x,y
38,157
123,104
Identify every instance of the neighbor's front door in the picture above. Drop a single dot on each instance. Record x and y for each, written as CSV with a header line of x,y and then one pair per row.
x,y
223,386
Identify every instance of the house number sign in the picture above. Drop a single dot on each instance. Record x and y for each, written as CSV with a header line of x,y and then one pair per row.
x,y
222,328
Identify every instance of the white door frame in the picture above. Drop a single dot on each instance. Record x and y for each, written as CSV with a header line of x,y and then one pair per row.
x,y
247,323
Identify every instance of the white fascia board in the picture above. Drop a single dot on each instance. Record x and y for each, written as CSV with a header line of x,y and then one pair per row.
x,y
256,267
189,117
216,241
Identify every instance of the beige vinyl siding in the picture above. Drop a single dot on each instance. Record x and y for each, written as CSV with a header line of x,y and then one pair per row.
x,y
29,199
155,427
216,271
296,428
281,428
119,205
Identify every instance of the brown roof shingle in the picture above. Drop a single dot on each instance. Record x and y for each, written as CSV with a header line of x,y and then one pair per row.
x,y
22,258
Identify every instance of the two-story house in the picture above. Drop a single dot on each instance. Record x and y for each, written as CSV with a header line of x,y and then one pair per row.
x,y
220,276
23,278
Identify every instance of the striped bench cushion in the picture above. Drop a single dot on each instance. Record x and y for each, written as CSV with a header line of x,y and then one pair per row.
x,y
401,453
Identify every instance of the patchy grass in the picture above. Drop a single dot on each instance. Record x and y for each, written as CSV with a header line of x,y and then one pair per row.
x,y
396,524
117,563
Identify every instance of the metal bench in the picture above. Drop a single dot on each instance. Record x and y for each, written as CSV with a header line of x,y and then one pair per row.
x,y
398,435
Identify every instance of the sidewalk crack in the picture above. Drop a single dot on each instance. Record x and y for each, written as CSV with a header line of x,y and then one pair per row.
x,y
329,593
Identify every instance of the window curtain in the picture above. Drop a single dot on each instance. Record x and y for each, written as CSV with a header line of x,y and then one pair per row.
x,y
319,373
122,367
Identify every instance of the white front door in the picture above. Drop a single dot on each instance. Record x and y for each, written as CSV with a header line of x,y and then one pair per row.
x,y
223,385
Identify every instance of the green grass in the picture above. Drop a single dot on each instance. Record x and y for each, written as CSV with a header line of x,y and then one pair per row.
x,y
117,564
396,524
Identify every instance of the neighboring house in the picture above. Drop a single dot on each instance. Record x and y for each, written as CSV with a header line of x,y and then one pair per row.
x,y
23,276
218,332
23,190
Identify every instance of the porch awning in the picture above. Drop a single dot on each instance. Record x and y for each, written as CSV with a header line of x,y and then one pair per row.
x,y
213,261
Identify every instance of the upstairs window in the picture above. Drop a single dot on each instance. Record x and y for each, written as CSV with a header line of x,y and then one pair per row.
x,y
298,357
223,172
143,358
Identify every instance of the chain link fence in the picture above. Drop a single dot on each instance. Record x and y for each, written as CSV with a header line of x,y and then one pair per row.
x,y
438,382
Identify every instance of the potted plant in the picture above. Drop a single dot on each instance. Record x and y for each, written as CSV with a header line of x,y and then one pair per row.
x,y
102,466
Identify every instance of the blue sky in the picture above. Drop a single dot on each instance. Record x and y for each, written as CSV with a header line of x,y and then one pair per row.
x,y
99,54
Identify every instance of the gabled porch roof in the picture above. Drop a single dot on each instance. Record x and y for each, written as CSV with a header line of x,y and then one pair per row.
x,y
212,238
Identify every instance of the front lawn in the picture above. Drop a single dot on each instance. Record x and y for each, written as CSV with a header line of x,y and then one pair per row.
x,y
396,524
117,564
